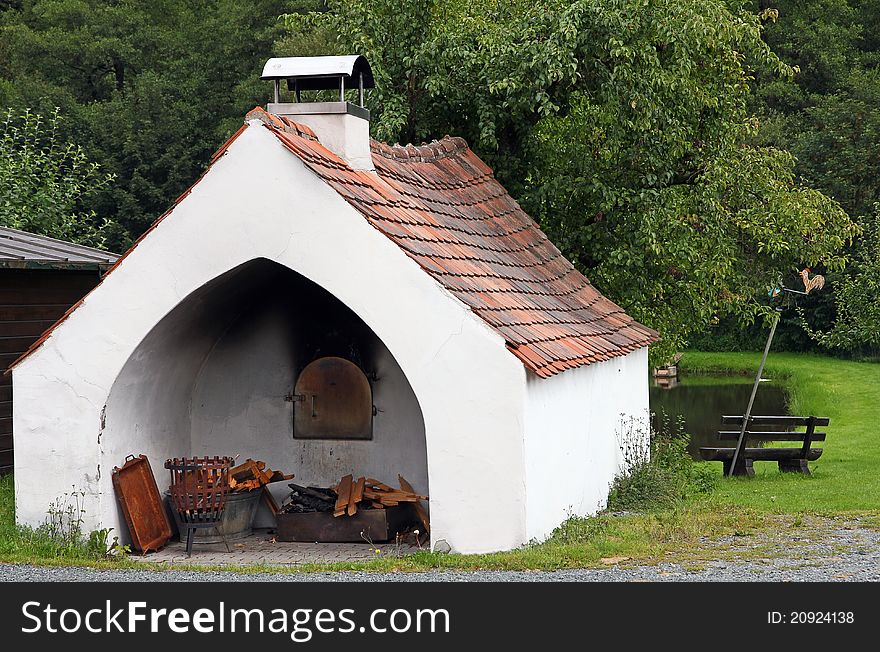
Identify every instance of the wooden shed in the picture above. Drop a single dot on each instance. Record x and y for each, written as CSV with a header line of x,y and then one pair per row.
x,y
40,279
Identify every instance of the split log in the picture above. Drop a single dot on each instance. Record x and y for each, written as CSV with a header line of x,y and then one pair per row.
x,y
247,470
357,495
343,495
379,485
397,496
421,512
269,501
313,493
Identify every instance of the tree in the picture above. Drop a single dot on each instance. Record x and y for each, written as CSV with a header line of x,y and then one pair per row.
x,y
857,321
828,116
150,89
44,181
621,125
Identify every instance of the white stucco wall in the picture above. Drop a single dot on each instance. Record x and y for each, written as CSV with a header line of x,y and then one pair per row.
x,y
258,201
574,422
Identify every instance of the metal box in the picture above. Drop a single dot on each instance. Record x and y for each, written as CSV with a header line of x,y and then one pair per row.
x,y
367,526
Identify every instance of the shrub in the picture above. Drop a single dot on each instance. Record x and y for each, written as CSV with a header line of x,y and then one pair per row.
x,y
658,473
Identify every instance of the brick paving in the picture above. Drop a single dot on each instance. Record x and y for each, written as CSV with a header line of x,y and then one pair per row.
x,y
260,549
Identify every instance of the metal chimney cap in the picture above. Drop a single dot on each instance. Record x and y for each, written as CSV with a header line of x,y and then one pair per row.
x,y
319,73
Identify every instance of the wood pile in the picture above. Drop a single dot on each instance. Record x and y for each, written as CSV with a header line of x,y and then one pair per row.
x,y
308,499
350,495
252,475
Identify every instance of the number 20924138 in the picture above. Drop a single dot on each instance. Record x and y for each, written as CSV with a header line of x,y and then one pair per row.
x,y
810,617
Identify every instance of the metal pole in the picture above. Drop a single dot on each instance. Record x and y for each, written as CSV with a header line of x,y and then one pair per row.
x,y
361,88
277,91
740,444
341,88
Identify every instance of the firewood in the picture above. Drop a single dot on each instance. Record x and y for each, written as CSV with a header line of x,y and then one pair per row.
x,y
247,470
379,485
372,494
397,496
419,508
313,501
269,501
357,495
306,491
343,494
375,504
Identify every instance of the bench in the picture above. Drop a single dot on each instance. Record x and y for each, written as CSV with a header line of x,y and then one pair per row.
x,y
790,460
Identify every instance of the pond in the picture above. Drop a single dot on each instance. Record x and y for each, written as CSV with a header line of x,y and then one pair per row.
x,y
701,400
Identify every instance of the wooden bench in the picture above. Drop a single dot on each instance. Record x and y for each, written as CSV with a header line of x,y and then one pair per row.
x,y
790,460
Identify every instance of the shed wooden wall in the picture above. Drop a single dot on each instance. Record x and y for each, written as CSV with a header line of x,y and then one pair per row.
x,y
30,302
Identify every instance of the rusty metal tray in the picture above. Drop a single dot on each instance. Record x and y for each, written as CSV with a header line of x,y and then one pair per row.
x,y
144,511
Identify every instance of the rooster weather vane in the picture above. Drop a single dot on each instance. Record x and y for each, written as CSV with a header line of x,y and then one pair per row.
x,y
817,282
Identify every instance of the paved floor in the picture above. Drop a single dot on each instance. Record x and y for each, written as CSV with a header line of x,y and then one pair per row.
x,y
262,549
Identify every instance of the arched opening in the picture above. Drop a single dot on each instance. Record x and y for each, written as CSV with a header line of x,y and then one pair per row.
x,y
217,376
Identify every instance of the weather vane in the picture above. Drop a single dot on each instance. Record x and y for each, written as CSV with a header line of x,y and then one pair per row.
x,y
817,282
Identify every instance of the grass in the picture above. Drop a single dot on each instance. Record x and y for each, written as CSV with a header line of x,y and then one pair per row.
x,y
579,542
743,518
845,478
44,544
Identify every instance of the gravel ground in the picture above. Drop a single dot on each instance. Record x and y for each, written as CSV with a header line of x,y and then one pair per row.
x,y
842,552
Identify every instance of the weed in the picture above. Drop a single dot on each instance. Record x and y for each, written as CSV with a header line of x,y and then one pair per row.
x,y
61,535
657,471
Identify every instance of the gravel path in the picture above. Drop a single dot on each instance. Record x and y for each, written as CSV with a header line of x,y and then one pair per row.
x,y
842,552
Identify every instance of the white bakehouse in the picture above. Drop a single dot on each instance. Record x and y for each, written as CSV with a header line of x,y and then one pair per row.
x,y
473,358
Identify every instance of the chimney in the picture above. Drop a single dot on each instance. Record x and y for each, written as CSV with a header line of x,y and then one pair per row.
x,y
342,127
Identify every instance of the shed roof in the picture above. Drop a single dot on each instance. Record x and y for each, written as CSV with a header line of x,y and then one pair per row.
x,y
442,205
22,250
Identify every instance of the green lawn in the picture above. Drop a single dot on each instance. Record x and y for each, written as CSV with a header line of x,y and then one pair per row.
x,y
847,476
845,481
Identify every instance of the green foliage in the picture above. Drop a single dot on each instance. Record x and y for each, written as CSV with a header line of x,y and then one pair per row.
x,y
625,127
622,126
151,89
828,116
60,537
44,181
659,476
857,322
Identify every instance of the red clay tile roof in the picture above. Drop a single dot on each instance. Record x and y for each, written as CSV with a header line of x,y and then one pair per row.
x,y
441,204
